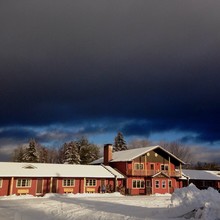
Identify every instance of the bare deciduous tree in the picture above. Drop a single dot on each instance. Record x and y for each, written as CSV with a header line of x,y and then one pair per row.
x,y
179,150
139,143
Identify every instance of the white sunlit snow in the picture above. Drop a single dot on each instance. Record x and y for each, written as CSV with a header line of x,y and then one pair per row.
x,y
185,203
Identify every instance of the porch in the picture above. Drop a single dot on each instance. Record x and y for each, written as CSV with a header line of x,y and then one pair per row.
x,y
131,172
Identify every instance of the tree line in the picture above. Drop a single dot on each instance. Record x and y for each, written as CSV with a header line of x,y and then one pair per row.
x,y
81,151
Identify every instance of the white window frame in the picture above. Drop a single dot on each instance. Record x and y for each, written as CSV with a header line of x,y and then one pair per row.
x,y
139,166
163,184
164,167
1,183
23,183
157,184
68,182
91,182
138,184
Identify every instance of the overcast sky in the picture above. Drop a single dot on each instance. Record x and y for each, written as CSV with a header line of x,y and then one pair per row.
x,y
149,69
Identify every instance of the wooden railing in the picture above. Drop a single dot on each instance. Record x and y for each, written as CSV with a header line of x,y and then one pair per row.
x,y
130,172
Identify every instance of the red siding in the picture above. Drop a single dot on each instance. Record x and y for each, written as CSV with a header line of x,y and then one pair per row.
x,y
4,190
56,187
121,166
20,190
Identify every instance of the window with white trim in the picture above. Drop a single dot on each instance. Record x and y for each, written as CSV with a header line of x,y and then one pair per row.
x,y
23,183
157,184
164,184
138,184
164,167
90,182
68,182
1,183
139,166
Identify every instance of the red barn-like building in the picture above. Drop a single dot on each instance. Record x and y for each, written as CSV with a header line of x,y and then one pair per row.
x,y
148,170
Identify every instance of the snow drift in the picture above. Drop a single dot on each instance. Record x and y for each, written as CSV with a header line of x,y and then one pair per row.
x,y
199,204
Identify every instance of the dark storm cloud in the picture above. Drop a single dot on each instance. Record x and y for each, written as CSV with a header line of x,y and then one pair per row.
x,y
16,133
72,62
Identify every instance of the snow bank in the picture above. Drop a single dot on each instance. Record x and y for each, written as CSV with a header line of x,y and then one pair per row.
x,y
56,195
80,195
195,203
15,197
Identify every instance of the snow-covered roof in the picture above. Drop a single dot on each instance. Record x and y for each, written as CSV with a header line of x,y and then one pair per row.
x,y
129,155
201,174
114,172
9,169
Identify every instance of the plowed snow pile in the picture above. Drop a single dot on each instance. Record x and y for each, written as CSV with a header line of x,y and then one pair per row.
x,y
199,204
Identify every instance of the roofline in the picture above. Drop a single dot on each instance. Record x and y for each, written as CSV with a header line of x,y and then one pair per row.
x,y
171,155
156,174
209,171
115,175
154,147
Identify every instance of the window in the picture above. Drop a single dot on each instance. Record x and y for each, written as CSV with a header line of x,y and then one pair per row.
x,y
152,166
157,184
139,166
91,182
164,184
23,183
68,182
138,184
164,167
170,183
1,183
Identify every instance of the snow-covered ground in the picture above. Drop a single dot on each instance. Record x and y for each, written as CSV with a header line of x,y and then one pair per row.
x,y
185,203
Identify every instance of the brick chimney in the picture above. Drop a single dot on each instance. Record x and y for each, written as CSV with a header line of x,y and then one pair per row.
x,y
107,153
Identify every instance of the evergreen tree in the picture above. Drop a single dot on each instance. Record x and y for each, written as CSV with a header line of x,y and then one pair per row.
x,y
30,154
120,143
89,153
80,151
71,154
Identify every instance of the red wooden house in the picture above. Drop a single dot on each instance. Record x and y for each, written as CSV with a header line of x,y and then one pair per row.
x,y
38,179
149,170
